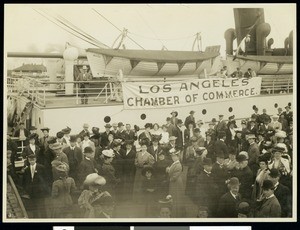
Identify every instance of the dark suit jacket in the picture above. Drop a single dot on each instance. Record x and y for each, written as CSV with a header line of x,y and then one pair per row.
x,y
220,146
228,206
245,177
17,133
74,157
118,163
39,156
220,175
130,136
82,133
104,139
85,168
187,137
221,126
36,187
179,141
128,162
120,135
170,129
189,120
253,153
284,197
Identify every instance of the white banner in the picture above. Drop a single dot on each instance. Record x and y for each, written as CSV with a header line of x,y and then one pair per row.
x,y
141,95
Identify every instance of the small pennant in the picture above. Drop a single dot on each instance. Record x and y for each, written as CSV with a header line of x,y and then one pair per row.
x,y
134,63
160,65
180,66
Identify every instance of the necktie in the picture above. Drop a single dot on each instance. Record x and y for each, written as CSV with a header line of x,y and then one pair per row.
x,y
32,172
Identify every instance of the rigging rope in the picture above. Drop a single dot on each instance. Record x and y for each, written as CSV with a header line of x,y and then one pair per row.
x,y
118,29
92,43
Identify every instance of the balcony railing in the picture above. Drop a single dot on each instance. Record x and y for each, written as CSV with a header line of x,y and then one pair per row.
x,y
47,93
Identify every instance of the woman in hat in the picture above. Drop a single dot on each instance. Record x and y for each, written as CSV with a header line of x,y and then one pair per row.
x,y
162,176
143,158
174,119
176,187
84,77
93,187
261,175
165,207
155,131
149,187
32,148
164,136
146,134
62,188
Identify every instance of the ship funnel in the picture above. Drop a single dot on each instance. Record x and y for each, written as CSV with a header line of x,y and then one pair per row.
x,y
286,43
229,36
270,43
262,31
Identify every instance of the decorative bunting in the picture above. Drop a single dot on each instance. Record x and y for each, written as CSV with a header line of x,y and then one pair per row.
x,y
180,66
160,65
134,63
262,64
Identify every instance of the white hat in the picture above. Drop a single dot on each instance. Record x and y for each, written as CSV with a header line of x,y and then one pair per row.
x,y
282,145
94,178
108,153
280,134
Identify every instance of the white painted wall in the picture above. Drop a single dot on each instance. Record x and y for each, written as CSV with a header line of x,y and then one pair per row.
x,y
57,119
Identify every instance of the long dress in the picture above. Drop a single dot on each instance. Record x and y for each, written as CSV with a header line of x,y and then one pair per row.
x,y
141,160
61,197
176,190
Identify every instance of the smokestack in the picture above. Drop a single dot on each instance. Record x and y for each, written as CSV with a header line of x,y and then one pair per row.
x,y
229,36
262,31
290,44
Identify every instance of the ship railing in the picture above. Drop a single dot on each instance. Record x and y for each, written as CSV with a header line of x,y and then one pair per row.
x,y
19,161
72,93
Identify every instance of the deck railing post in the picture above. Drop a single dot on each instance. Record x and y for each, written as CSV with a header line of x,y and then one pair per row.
x,y
77,99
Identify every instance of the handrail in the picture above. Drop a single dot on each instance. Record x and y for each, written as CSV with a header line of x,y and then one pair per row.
x,y
16,192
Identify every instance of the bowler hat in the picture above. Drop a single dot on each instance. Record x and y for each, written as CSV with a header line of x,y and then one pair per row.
x,y
66,131
241,158
179,121
107,126
95,129
120,124
207,161
243,207
267,184
233,181
88,149
192,112
176,113
147,168
214,120
274,173
263,158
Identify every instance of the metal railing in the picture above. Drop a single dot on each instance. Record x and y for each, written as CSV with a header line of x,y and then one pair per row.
x,y
47,93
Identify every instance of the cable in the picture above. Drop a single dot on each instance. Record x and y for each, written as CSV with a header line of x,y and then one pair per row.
x,y
66,30
117,28
164,39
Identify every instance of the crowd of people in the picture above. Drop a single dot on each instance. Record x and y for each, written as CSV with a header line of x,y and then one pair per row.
x,y
223,73
233,169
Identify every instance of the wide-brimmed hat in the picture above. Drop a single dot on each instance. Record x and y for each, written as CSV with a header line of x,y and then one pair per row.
x,y
278,149
147,168
45,128
59,134
66,130
55,146
267,184
107,126
176,113
32,136
88,149
280,134
94,178
283,146
108,153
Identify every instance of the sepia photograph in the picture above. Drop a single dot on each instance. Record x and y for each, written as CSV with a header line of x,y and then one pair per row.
x,y
149,113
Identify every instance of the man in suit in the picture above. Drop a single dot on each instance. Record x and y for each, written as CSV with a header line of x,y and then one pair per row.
x,y
255,115
253,153
269,205
32,148
115,129
190,119
264,116
221,125
170,127
220,174
205,192
84,77
245,176
33,130
288,114
35,185
178,133
121,132
200,138
174,118
84,131
237,74
129,133
230,135
75,156
229,201
86,166
220,146
282,193
252,127
104,136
